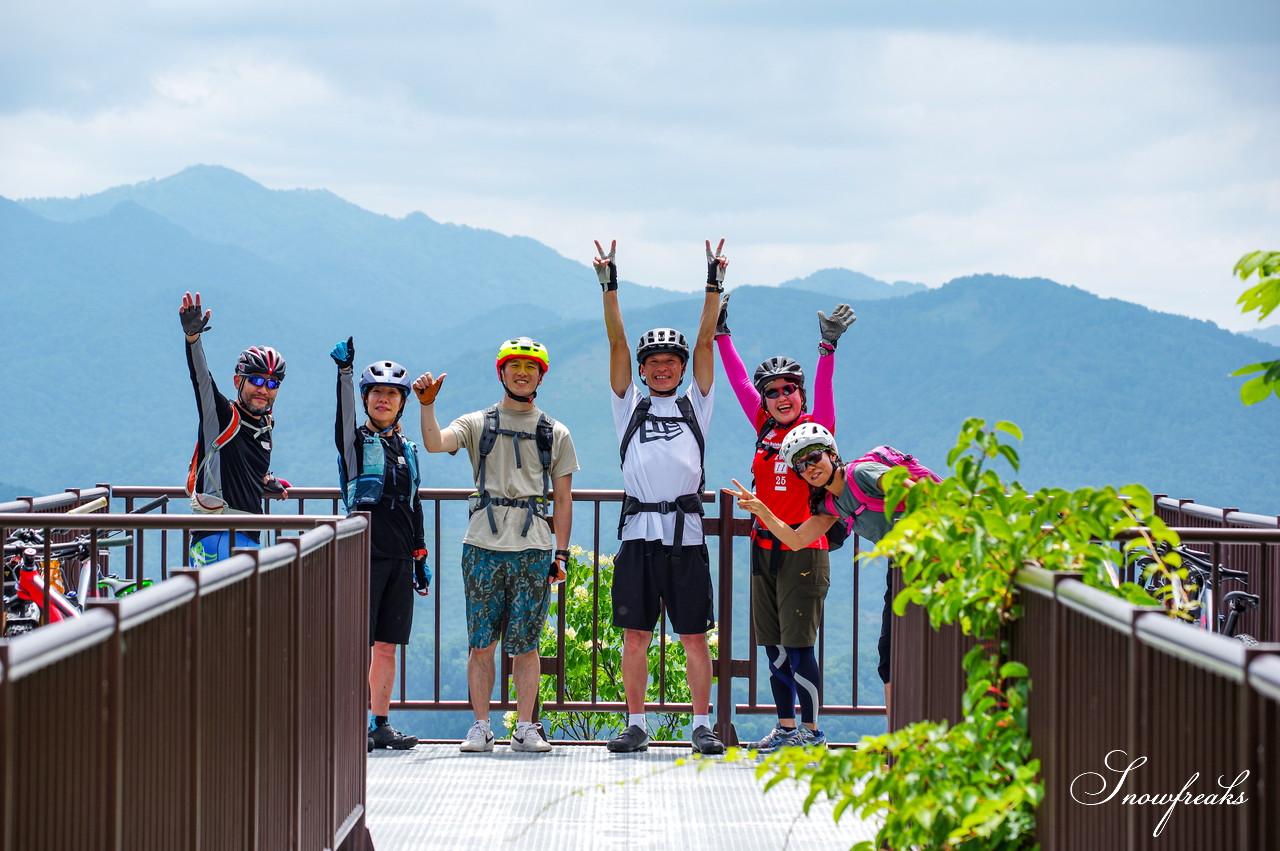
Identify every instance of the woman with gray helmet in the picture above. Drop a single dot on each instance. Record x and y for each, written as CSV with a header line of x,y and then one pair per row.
x,y
378,473
788,585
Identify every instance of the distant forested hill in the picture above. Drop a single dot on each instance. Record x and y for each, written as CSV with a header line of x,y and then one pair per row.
x,y
1106,391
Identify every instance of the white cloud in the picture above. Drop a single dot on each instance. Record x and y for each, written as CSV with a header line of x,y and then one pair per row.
x,y
1139,170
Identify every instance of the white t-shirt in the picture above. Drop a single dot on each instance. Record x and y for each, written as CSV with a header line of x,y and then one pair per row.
x,y
663,462
504,479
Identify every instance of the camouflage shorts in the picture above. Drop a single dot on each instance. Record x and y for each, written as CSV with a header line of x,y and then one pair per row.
x,y
510,587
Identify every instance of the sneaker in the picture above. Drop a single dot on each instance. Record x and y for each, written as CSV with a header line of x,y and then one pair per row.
x,y
705,741
387,736
528,740
479,739
629,740
777,737
803,737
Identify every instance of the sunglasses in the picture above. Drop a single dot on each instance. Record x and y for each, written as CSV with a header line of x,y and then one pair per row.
x,y
259,380
807,461
784,390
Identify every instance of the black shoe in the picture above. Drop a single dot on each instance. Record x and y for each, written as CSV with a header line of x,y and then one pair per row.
x,y
630,740
370,745
705,741
387,736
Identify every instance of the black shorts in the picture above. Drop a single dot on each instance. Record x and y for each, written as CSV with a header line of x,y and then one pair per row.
x,y
390,600
645,575
786,607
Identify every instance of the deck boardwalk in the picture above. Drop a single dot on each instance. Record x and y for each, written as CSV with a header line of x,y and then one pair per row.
x,y
583,797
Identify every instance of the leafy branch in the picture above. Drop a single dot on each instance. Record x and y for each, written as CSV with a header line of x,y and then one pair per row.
x,y
1262,297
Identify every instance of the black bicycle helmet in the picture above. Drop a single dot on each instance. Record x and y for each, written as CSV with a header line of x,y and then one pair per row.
x,y
261,360
777,367
662,340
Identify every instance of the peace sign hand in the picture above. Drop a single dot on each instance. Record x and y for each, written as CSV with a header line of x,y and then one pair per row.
x,y
716,266
193,324
747,501
606,269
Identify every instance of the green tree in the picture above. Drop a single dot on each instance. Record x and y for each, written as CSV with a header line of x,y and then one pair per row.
x,y
1262,297
961,542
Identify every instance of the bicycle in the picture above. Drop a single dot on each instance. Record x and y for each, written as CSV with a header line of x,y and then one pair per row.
x,y
33,588
1200,591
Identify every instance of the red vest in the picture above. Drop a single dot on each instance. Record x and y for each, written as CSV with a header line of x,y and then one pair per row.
x,y
778,486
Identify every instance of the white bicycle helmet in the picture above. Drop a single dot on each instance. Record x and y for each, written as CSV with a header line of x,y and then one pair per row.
x,y
806,436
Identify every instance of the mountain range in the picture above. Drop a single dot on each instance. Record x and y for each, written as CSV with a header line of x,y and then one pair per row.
x,y
1105,391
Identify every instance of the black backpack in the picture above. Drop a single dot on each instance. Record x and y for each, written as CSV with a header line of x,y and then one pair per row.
x,y
686,504
542,438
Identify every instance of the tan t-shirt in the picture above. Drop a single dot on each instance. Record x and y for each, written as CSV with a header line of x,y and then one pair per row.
x,y
504,480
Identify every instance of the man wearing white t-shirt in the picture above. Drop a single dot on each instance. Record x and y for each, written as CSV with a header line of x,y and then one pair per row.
x,y
663,556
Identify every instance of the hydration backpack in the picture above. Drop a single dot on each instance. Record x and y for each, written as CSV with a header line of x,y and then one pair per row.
x,y
887,456
682,505
213,503
542,437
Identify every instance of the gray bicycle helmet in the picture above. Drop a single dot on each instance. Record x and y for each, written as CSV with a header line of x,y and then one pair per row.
x,y
261,360
387,374
662,340
777,367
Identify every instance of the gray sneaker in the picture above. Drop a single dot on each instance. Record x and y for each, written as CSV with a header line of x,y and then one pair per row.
x,y
629,740
479,739
777,737
803,737
531,741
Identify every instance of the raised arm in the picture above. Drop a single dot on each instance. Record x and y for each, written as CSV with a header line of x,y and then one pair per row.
x,y
619,351
344,427
704,352
748,396
434,439
830,327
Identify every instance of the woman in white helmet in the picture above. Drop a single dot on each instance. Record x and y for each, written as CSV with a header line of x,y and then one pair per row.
x,y
811,452
788,586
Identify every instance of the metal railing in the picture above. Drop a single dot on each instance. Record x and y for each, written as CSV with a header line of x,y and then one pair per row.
x,y
1112,683
223,708
741,678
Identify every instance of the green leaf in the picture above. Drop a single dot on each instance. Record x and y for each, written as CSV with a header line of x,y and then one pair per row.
x,y
1251,368
1254,391
1009,428
1013,669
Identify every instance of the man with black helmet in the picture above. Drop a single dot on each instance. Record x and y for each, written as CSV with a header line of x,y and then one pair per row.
x,y
378,472
523,463
662,560
231,467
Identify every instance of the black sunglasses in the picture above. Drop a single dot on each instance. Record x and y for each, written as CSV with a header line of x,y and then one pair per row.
x,y
784,390
259,380
802,464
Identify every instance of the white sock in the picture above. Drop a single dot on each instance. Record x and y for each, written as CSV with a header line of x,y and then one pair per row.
x,y
637,720
700,721
521,726
484,722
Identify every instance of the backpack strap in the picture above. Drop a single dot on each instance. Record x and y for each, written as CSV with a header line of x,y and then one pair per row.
x,y
197,466
690,503
543,438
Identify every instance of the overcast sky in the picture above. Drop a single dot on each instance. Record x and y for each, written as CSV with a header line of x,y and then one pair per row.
x,y
1128,148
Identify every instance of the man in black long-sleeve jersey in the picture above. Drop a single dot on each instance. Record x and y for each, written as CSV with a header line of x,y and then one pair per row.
x,y
231,467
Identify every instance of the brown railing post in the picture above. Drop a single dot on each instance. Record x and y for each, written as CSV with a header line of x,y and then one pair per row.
x,y
724,726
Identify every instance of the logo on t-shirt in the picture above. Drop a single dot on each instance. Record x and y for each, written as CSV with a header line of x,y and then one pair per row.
x,y
662,430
